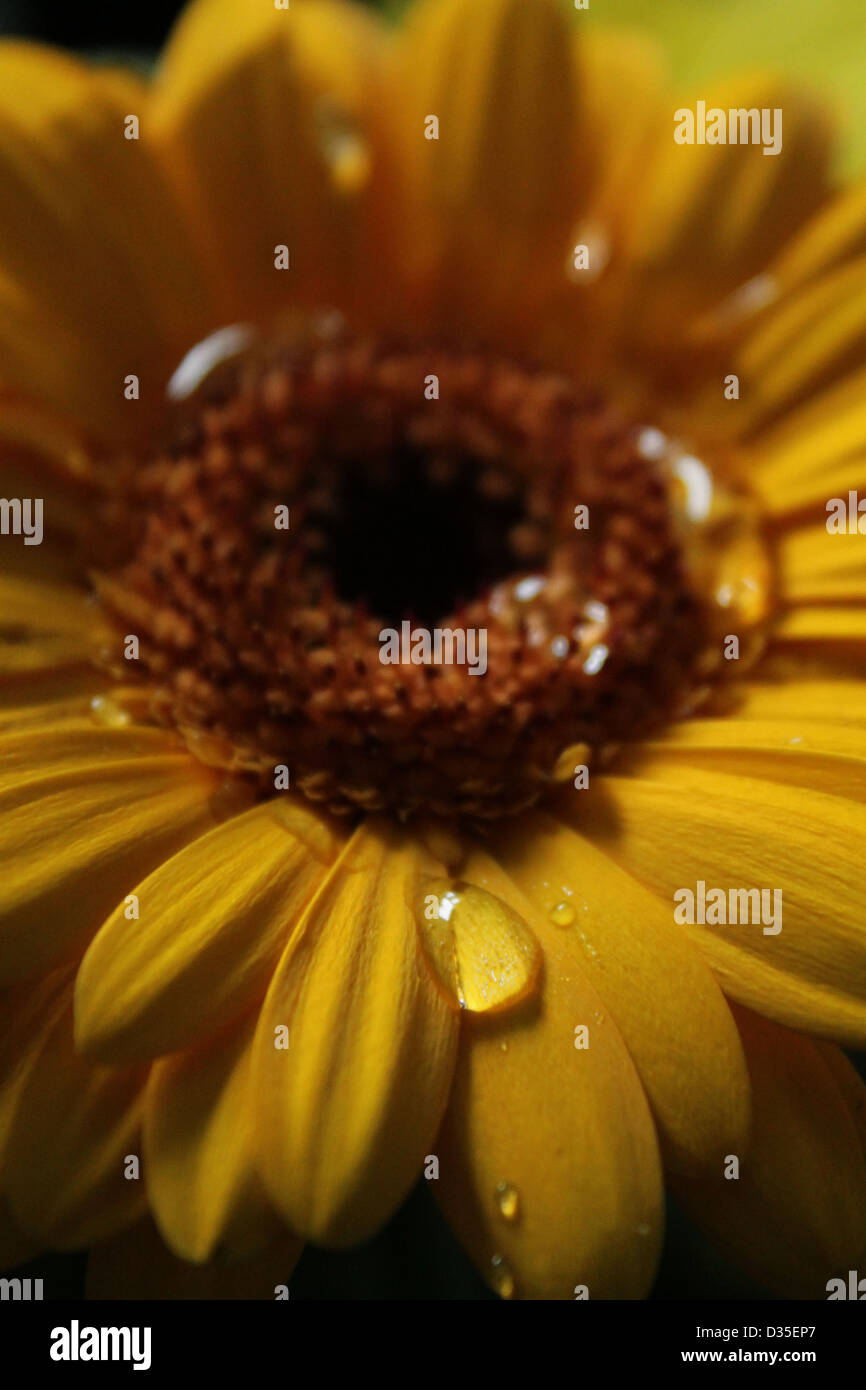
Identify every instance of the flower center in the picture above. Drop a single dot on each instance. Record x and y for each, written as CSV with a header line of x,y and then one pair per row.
x,y
403,577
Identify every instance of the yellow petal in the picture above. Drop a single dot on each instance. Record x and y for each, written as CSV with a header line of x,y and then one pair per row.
x,y
15,1247
199,1151
793,695
125,295
626,102
796,1216
667,1006
719,212
263,110
548,1164
494,197
811,341
822,625
74,842
815,452
212,923
803,751
349,1109
836,234
70,1133
137,1265
816,566
28,1010
47,609
671,825
44,626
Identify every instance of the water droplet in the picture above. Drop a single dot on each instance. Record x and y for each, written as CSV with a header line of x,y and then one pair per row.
x,y
597,612
651,443
201,360
481,950
697,484
508,1201
596,659
529,588
503,1279
108,712
562,915
344,147
559,647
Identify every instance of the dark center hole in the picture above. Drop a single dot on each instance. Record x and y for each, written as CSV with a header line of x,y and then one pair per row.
x,y
426,535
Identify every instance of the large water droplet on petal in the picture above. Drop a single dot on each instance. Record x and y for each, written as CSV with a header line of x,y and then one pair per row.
x,y
483,953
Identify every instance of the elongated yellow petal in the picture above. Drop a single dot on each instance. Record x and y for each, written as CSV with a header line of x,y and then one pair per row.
x,y
493,197
655,984
672,825
270,111
28,1011
15,1247
548,1164
74,843
822,625
802,751
812,341
816,451
350,1096
817,566
70,1134
200,1148
793,694
212,922
136,1265
836,234
796,1215
125,295
722,210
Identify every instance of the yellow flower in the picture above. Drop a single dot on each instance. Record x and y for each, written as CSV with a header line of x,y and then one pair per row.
x,y
283,926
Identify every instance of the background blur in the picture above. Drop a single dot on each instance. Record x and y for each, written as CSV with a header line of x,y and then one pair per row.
x,y
822,42
817,41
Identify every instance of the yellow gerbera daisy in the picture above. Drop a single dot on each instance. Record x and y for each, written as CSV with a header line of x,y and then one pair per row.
x,y
326,333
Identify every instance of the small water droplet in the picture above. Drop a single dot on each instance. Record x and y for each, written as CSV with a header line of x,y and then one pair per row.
x,y
503,1279
562,915
206,356
508,1201
651,443
596,659
108,712
344,147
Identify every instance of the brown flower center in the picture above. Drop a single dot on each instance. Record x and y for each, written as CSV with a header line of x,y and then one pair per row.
x,y
401,577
